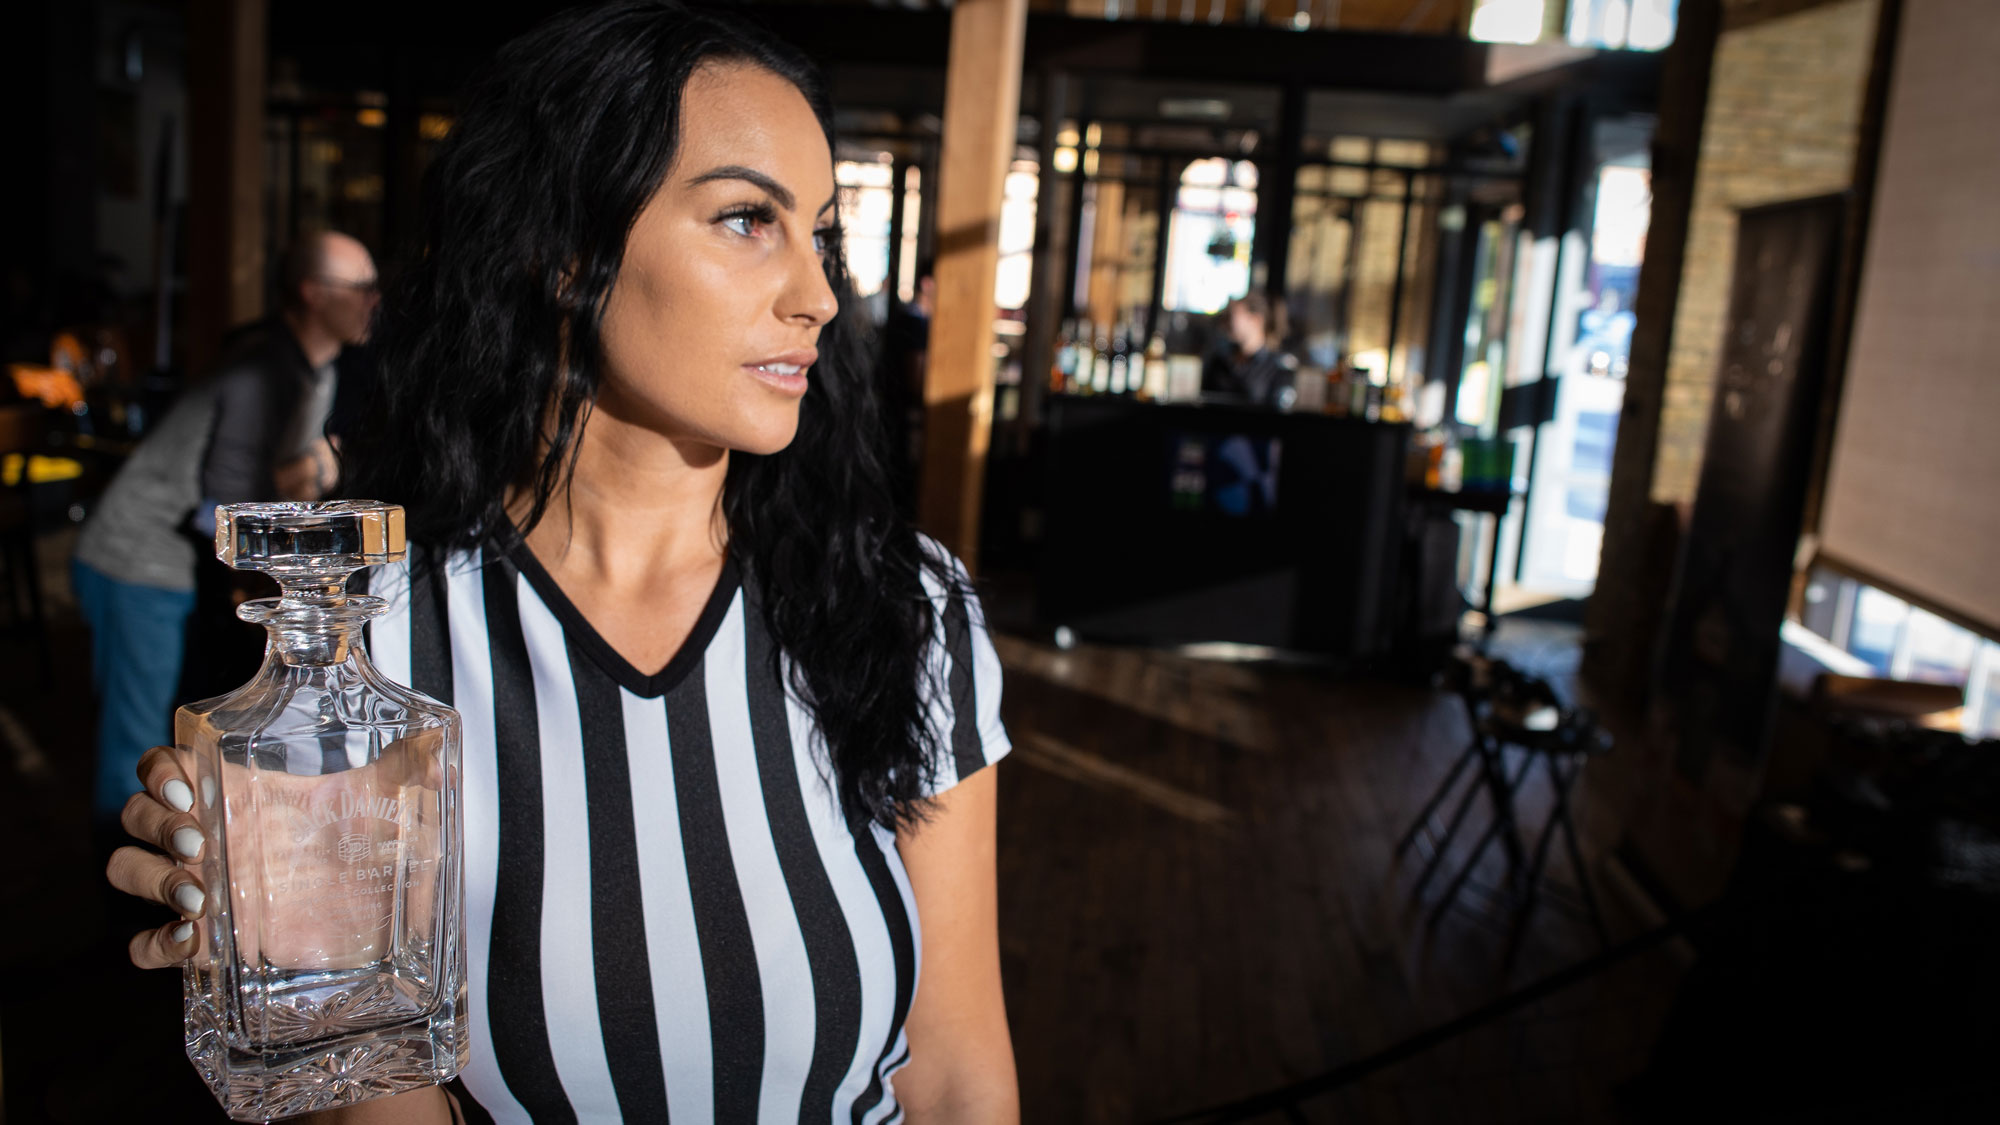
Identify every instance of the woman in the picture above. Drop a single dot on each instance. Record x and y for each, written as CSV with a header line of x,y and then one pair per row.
x,y
1250,366
726,714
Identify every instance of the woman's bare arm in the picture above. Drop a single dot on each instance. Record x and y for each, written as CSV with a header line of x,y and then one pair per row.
x,y
961,1058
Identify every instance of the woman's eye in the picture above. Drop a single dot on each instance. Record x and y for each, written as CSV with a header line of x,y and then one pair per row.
x,y
823,240
743,223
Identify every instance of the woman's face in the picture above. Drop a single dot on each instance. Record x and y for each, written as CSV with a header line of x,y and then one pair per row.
x,y
710,329
1245,326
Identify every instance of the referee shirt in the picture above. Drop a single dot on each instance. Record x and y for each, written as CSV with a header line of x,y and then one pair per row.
x,y
667,915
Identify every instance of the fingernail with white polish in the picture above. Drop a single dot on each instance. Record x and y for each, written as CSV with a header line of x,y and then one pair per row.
x,y
183,932
178,794
187,841
189,898
207,791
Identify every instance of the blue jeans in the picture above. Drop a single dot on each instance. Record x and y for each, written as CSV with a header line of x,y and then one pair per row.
x,y
136,636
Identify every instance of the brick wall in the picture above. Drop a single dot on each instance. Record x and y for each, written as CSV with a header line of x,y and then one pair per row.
x,y
1784,109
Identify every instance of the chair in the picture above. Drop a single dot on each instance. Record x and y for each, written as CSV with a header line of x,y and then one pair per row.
x,y
1509,710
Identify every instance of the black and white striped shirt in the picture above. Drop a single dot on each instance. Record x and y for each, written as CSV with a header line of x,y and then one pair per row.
x,y
667,916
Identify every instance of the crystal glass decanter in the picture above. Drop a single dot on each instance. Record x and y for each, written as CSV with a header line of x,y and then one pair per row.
x,y
331,967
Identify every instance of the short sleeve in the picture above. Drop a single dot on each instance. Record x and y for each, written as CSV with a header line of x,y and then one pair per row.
x,y
964,682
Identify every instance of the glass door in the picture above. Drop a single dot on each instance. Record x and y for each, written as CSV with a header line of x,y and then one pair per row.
x,y
1572,475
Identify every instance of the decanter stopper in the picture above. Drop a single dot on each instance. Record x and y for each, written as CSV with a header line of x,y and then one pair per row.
x,y
306,545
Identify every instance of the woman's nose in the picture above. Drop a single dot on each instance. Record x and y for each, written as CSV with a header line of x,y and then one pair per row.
x,y
810,297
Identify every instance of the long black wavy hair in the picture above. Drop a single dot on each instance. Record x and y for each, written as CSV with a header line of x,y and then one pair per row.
x,y
490,356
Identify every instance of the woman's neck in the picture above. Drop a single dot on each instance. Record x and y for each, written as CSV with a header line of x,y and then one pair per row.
x,y
638,505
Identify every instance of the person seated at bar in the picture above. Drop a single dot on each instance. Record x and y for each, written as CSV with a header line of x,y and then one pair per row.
x,y
1248,367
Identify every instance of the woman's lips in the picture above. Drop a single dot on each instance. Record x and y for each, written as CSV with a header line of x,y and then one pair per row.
x,y
787,378
786,372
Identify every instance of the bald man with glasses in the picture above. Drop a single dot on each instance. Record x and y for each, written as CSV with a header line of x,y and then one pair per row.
x,y
252,430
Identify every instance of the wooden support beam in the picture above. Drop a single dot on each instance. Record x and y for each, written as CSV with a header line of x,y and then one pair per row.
x,y
981,111
225,233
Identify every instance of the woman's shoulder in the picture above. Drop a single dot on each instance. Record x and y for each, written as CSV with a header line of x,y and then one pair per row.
x,y
946,578
965,681
937,554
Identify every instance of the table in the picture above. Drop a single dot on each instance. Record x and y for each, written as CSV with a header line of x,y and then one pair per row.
x,y
1487,501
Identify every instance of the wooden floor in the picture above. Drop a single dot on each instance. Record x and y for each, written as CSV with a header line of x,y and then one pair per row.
x,y
1199,903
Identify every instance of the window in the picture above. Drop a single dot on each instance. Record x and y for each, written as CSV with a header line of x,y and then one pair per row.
x,y
1877,628
1623,212
1508,21
1934,650
1982,693
1017,236
866,197
1638,25
1208,244
1906,642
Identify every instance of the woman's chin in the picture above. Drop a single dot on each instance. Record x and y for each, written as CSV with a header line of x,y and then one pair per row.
x,y
767,436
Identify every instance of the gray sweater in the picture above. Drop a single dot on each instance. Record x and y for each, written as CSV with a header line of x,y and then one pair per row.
x,y
218,444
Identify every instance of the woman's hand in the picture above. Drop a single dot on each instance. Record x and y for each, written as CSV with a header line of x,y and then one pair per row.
x,y
160,816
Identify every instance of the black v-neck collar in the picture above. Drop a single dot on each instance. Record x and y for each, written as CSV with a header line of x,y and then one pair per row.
x,y
582,636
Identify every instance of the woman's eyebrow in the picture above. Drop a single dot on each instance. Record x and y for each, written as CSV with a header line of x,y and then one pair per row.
x,y
770,186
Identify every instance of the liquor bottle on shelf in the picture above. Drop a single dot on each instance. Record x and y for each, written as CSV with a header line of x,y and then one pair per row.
x,y
1082,359
1450,462
331,960
1360,391
1064,376
1154,385
1100,368
1121,361
1395,402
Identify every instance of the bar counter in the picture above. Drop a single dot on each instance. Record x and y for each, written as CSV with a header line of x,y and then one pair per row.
x,y
1196,522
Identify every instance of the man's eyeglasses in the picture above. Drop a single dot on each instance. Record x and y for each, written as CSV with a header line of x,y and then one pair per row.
x,y
371,285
